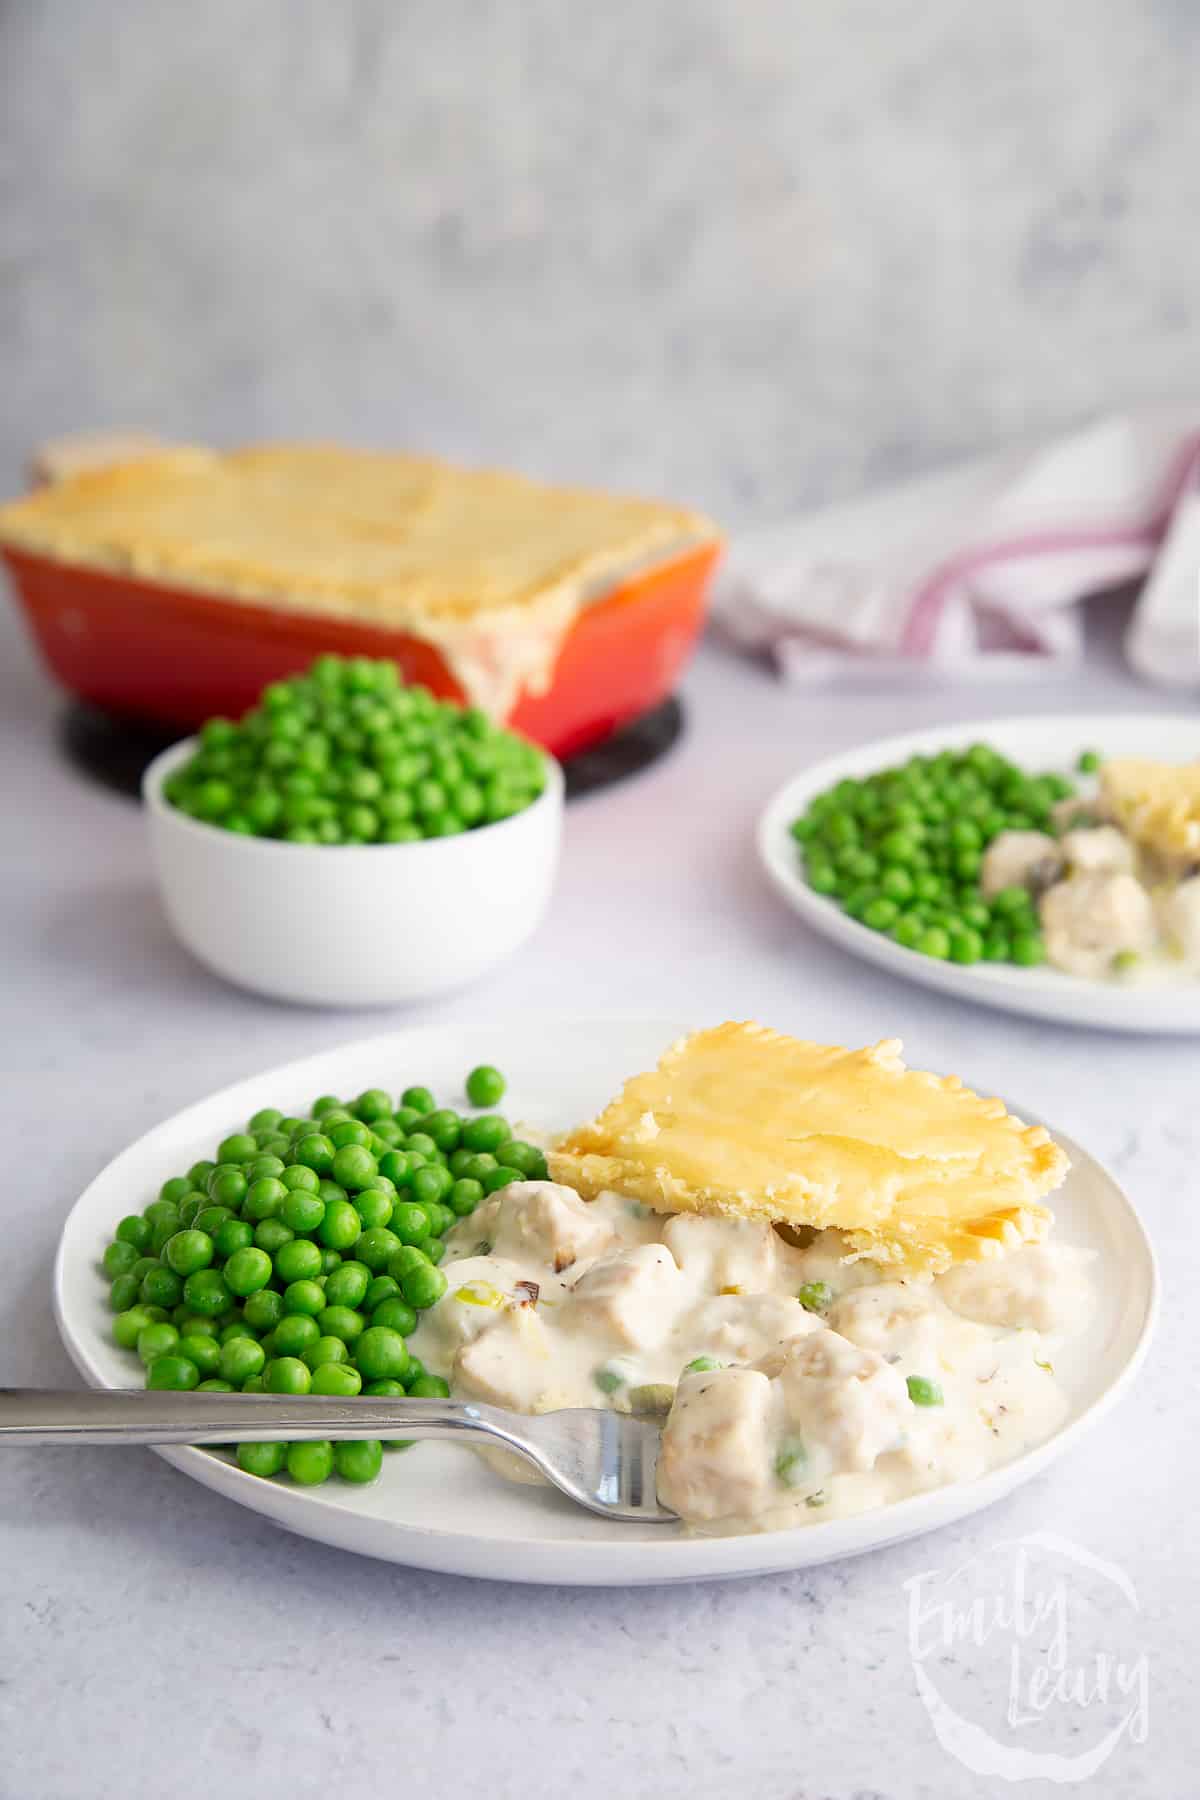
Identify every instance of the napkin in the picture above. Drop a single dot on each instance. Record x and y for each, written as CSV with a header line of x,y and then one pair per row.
x,y
979,572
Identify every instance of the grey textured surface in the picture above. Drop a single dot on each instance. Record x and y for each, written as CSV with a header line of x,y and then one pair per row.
x,y
751,254
156,1640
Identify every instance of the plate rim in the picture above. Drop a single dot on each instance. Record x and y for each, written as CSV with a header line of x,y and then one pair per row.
x,y
597,1561
1039,993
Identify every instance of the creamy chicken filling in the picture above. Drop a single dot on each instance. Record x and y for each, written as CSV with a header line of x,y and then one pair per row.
x,y
1107,910
794,1384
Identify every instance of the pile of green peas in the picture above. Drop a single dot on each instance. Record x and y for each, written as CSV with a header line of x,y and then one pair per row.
x,y
900,851
346,754
298,1259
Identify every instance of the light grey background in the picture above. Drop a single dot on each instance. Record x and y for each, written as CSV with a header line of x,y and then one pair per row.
x,y
752,253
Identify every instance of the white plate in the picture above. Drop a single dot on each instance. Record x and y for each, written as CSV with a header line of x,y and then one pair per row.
x,y
439,1507
1042,746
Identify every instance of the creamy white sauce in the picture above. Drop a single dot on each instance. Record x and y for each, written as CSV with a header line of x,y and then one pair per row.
x,y
554,1301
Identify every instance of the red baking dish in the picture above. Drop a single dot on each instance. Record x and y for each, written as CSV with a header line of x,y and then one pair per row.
x,y
175,656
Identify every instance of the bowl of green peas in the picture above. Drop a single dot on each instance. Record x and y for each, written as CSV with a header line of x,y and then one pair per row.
x,y
352,841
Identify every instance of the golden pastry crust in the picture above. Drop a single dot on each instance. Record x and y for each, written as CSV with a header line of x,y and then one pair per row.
x,y
739,1120
387,539
1157,804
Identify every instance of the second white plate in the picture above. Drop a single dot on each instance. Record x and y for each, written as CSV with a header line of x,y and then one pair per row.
x,y
439,1507
1041,746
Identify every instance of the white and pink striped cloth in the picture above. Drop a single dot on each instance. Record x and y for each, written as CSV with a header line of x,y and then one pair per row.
x,y
979,572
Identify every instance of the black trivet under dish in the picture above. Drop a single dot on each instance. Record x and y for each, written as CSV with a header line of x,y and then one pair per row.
x,y
116,751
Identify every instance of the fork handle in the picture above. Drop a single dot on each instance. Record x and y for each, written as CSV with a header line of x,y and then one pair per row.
x,y
141,1416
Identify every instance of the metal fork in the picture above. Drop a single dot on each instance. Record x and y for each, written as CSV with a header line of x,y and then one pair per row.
x,y
602,1460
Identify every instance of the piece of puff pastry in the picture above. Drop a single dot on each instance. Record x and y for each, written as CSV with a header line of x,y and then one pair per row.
x,y
1157,804
739,1120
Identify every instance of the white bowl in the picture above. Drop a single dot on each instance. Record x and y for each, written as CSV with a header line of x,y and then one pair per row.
x,y
353,924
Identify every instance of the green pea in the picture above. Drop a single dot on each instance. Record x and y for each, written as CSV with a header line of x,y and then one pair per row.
x,y
445,1128
528,1158
262,1459
486,1133
500,1177
340,1380
304,1297
358,1461
207,1292
310,1464
210,1218
155,1340
340,1227
1028,949
172,1373
935,942
431,1184
420,1099
410,1224
396,1314
135,1230
816,1296
429,1387
239,1359
247,1271
295,1333
342,1322
380,1353
264,1199
1088,762
236,1148
421,1286
263,1309
298,1176
297,1260
232,1235
702,1365
375,1248
198,1174
326,1349
465,1196
354,1167
227,1186
286,1375
374,1103
347,1131
374,1206
348,1284
188,1251
314,1151
203,1351
173,1190
119,1258
124,1292
161,1287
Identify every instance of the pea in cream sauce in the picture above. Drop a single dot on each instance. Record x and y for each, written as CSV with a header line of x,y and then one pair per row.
x,y
555,1301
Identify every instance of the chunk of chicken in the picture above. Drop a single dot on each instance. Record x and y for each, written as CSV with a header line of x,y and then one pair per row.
x,y
1043,1287
1181,920
1090,918
716,1455
1100,850
1019,859
893,1318
509,1363
724,1255
630,1295
545,1223
847,1404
